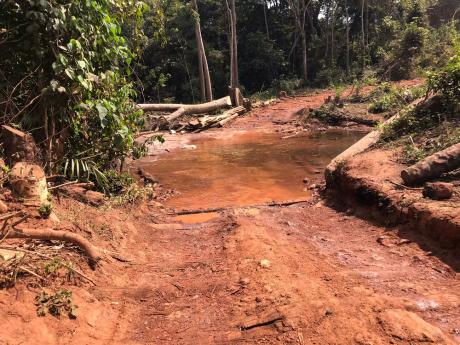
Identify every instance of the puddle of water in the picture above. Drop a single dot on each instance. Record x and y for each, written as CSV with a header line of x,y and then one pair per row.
x,y
247,168
197,218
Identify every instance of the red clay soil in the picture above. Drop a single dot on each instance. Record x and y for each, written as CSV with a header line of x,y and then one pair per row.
x,y
369,180
303,274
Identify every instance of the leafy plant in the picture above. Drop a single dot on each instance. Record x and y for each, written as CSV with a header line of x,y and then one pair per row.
x,y
58,304
71,58
85,169
117,181
387,97
45,210
447,80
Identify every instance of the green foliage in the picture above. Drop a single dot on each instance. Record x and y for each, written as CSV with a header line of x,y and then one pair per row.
x,y
386,97
132,194
57,304
85,169
447,80
45,210
72,63
117,181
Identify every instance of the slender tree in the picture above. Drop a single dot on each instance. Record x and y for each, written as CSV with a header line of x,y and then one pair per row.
x,y
203,69
234,80
299,10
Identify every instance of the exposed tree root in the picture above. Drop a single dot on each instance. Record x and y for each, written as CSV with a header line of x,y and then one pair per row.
x,y
58,235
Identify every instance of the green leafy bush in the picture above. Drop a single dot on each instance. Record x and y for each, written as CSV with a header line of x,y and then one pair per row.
x,y
387,97
447,80
71,62
58,304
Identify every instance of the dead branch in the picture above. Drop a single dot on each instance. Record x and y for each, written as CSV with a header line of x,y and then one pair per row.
x,y
219,209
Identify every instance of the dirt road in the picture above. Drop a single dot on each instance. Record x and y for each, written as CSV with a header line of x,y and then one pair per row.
x,y
303,274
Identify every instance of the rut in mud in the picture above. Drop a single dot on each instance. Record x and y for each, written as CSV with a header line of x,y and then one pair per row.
x,y
302,274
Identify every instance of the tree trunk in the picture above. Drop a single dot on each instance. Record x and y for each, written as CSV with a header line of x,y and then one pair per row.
x,y
363,35
190,108
303,43
234,82
202,60
265,19
347,38
433,166
200,66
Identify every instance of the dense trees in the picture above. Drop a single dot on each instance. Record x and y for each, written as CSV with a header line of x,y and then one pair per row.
x,y
71,71
283,41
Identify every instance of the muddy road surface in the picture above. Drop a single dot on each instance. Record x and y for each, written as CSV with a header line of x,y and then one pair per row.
x,y
304,274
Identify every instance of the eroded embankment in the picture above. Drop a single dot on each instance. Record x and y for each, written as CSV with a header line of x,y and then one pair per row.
x,y
368,182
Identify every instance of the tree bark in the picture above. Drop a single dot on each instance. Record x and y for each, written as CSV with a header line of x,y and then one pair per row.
x,y
190,108
231,10
265,19
205,79
433,166
299,9
347,38
363,35
304,55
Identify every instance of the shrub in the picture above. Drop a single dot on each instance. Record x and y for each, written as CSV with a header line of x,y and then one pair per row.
x,y
447,80
70,62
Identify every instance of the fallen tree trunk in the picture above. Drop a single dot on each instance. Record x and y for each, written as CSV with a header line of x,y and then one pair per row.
x,y
190,108
433,166
178,110
201,123
230,115
360,146
47,234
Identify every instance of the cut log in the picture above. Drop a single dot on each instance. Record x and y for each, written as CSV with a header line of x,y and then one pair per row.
x,y
175,115
190,108
58,235
18,146
29,182
204,122
433,166
230,115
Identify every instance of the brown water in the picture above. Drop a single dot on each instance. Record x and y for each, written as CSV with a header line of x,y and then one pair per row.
x,y
245,169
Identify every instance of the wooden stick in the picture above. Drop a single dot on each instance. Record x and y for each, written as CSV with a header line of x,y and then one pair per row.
x,y
218,209
62,185
402,186
31,272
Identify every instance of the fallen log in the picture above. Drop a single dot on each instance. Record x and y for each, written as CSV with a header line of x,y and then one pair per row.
x,y
432,166
189,108
360,146
201,123
231,114
58,235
